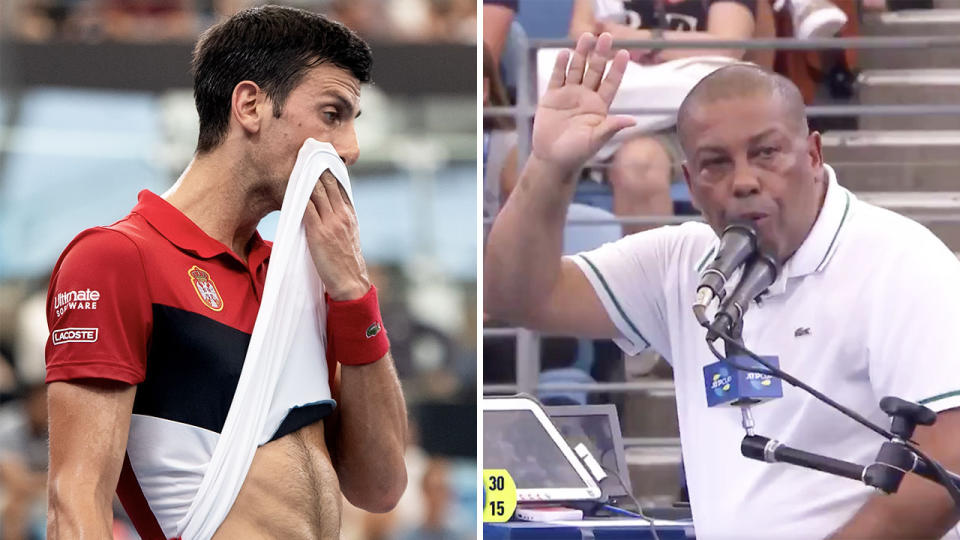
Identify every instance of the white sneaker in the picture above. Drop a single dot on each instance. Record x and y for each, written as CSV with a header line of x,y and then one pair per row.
x,y
816,18
610,11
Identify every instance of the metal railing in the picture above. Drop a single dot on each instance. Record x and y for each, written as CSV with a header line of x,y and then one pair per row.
x,y
794,44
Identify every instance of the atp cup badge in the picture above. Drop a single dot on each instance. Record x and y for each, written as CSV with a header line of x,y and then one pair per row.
x,y
205,288
721,382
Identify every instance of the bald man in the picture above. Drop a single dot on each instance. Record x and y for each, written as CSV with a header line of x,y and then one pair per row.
x,y
866,304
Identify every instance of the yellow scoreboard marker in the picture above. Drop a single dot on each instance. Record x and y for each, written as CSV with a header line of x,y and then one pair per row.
x,y
499,495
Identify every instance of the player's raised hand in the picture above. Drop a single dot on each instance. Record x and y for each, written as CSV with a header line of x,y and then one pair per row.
x,y
572,120
334,240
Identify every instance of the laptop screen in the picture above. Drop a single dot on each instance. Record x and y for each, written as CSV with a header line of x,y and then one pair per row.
x,y
516,441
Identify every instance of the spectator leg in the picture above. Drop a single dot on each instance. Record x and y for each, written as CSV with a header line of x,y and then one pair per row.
x,y
639,175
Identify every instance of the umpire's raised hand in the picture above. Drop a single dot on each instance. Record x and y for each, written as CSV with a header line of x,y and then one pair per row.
x,y
572,120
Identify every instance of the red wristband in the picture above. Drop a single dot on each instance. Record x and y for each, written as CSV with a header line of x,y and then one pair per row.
x,y
355,332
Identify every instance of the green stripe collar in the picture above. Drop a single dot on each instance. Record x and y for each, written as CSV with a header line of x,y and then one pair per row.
x,y
824,238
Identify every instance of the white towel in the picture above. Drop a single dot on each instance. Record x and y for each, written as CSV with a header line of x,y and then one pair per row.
x,y
286,365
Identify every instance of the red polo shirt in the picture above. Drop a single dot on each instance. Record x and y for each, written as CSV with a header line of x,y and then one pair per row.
x,y
110,283
154,301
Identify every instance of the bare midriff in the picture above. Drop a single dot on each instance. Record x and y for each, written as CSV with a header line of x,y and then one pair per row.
x,y
291,492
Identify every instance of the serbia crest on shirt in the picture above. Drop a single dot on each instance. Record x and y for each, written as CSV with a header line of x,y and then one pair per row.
x,y
205,288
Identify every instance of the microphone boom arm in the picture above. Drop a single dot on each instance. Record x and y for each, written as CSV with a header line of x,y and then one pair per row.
x,y
772,451
893,462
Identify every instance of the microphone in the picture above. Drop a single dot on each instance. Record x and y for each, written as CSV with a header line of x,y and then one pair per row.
x,y
737,243
761,271
725,384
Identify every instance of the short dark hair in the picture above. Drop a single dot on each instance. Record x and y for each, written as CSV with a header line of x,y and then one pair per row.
x,y
274,47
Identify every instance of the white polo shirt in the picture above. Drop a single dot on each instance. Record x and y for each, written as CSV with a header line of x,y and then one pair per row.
x,y
869,306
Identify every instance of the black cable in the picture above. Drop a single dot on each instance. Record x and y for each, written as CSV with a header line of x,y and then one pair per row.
x,y
938,469
640,514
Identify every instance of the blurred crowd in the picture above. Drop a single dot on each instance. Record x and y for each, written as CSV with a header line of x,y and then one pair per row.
x,y
450,21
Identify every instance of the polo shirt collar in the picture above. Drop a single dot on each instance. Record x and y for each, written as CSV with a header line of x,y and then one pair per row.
x,y
180,231
821,242
819,246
